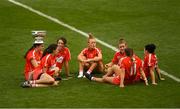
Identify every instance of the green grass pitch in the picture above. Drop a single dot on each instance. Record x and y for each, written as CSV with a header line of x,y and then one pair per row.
x,y
138,21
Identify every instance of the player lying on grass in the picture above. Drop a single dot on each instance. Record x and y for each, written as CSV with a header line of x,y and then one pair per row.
x,y
151,63
90,57
63,56
45,73
117,56
128,71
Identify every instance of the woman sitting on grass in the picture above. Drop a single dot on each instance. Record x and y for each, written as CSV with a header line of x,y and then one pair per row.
x,y
151,63
90,58
33,57
45,73
129,71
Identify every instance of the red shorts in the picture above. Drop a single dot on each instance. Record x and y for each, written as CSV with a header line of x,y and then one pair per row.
x,y
26,75
147,73
37,73
116,80
51,73
132,80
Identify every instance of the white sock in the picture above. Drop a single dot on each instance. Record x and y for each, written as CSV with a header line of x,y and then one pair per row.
x,y
92,78
88,72
81,73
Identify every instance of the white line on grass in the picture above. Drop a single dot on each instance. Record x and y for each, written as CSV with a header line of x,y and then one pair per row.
x,y
78,31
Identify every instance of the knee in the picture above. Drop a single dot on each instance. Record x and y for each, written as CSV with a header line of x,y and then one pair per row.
x,y
57,69
101,68
104,78
51,81
114,67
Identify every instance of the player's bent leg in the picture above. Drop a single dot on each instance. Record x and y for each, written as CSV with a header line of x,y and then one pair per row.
x,y
101,66
158,73
30,76
116,70
42,85
56,71
110,80
92,67
56,74
81,69
98,79
110,72
45,79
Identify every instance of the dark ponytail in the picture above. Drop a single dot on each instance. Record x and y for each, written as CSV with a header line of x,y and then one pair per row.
x,y
129,52
34,46
49,49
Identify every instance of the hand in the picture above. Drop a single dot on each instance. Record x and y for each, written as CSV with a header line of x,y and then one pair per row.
x,y
84,61
87,60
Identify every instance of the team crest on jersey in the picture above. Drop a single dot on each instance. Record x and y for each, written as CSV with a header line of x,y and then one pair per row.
x,y
59,59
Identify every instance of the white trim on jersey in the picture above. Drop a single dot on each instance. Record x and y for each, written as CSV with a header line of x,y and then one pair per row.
x,y
135,68
97,50
149,61
47,59
34,54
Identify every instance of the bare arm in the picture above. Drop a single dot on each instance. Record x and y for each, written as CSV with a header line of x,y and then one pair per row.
x,y
34,62
153,79
122,75
97,58
66,66
81,57
144,76
159,74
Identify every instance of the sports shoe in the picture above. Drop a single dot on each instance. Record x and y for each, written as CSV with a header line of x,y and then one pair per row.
x,y
88,76
80,76
26,84
58,78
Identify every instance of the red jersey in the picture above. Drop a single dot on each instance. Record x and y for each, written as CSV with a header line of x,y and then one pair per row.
x,y
150,60
117,57
48,61
132,68
63,55
32,54
89,54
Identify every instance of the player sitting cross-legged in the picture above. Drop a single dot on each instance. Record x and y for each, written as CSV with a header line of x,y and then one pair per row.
x,y
90,57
